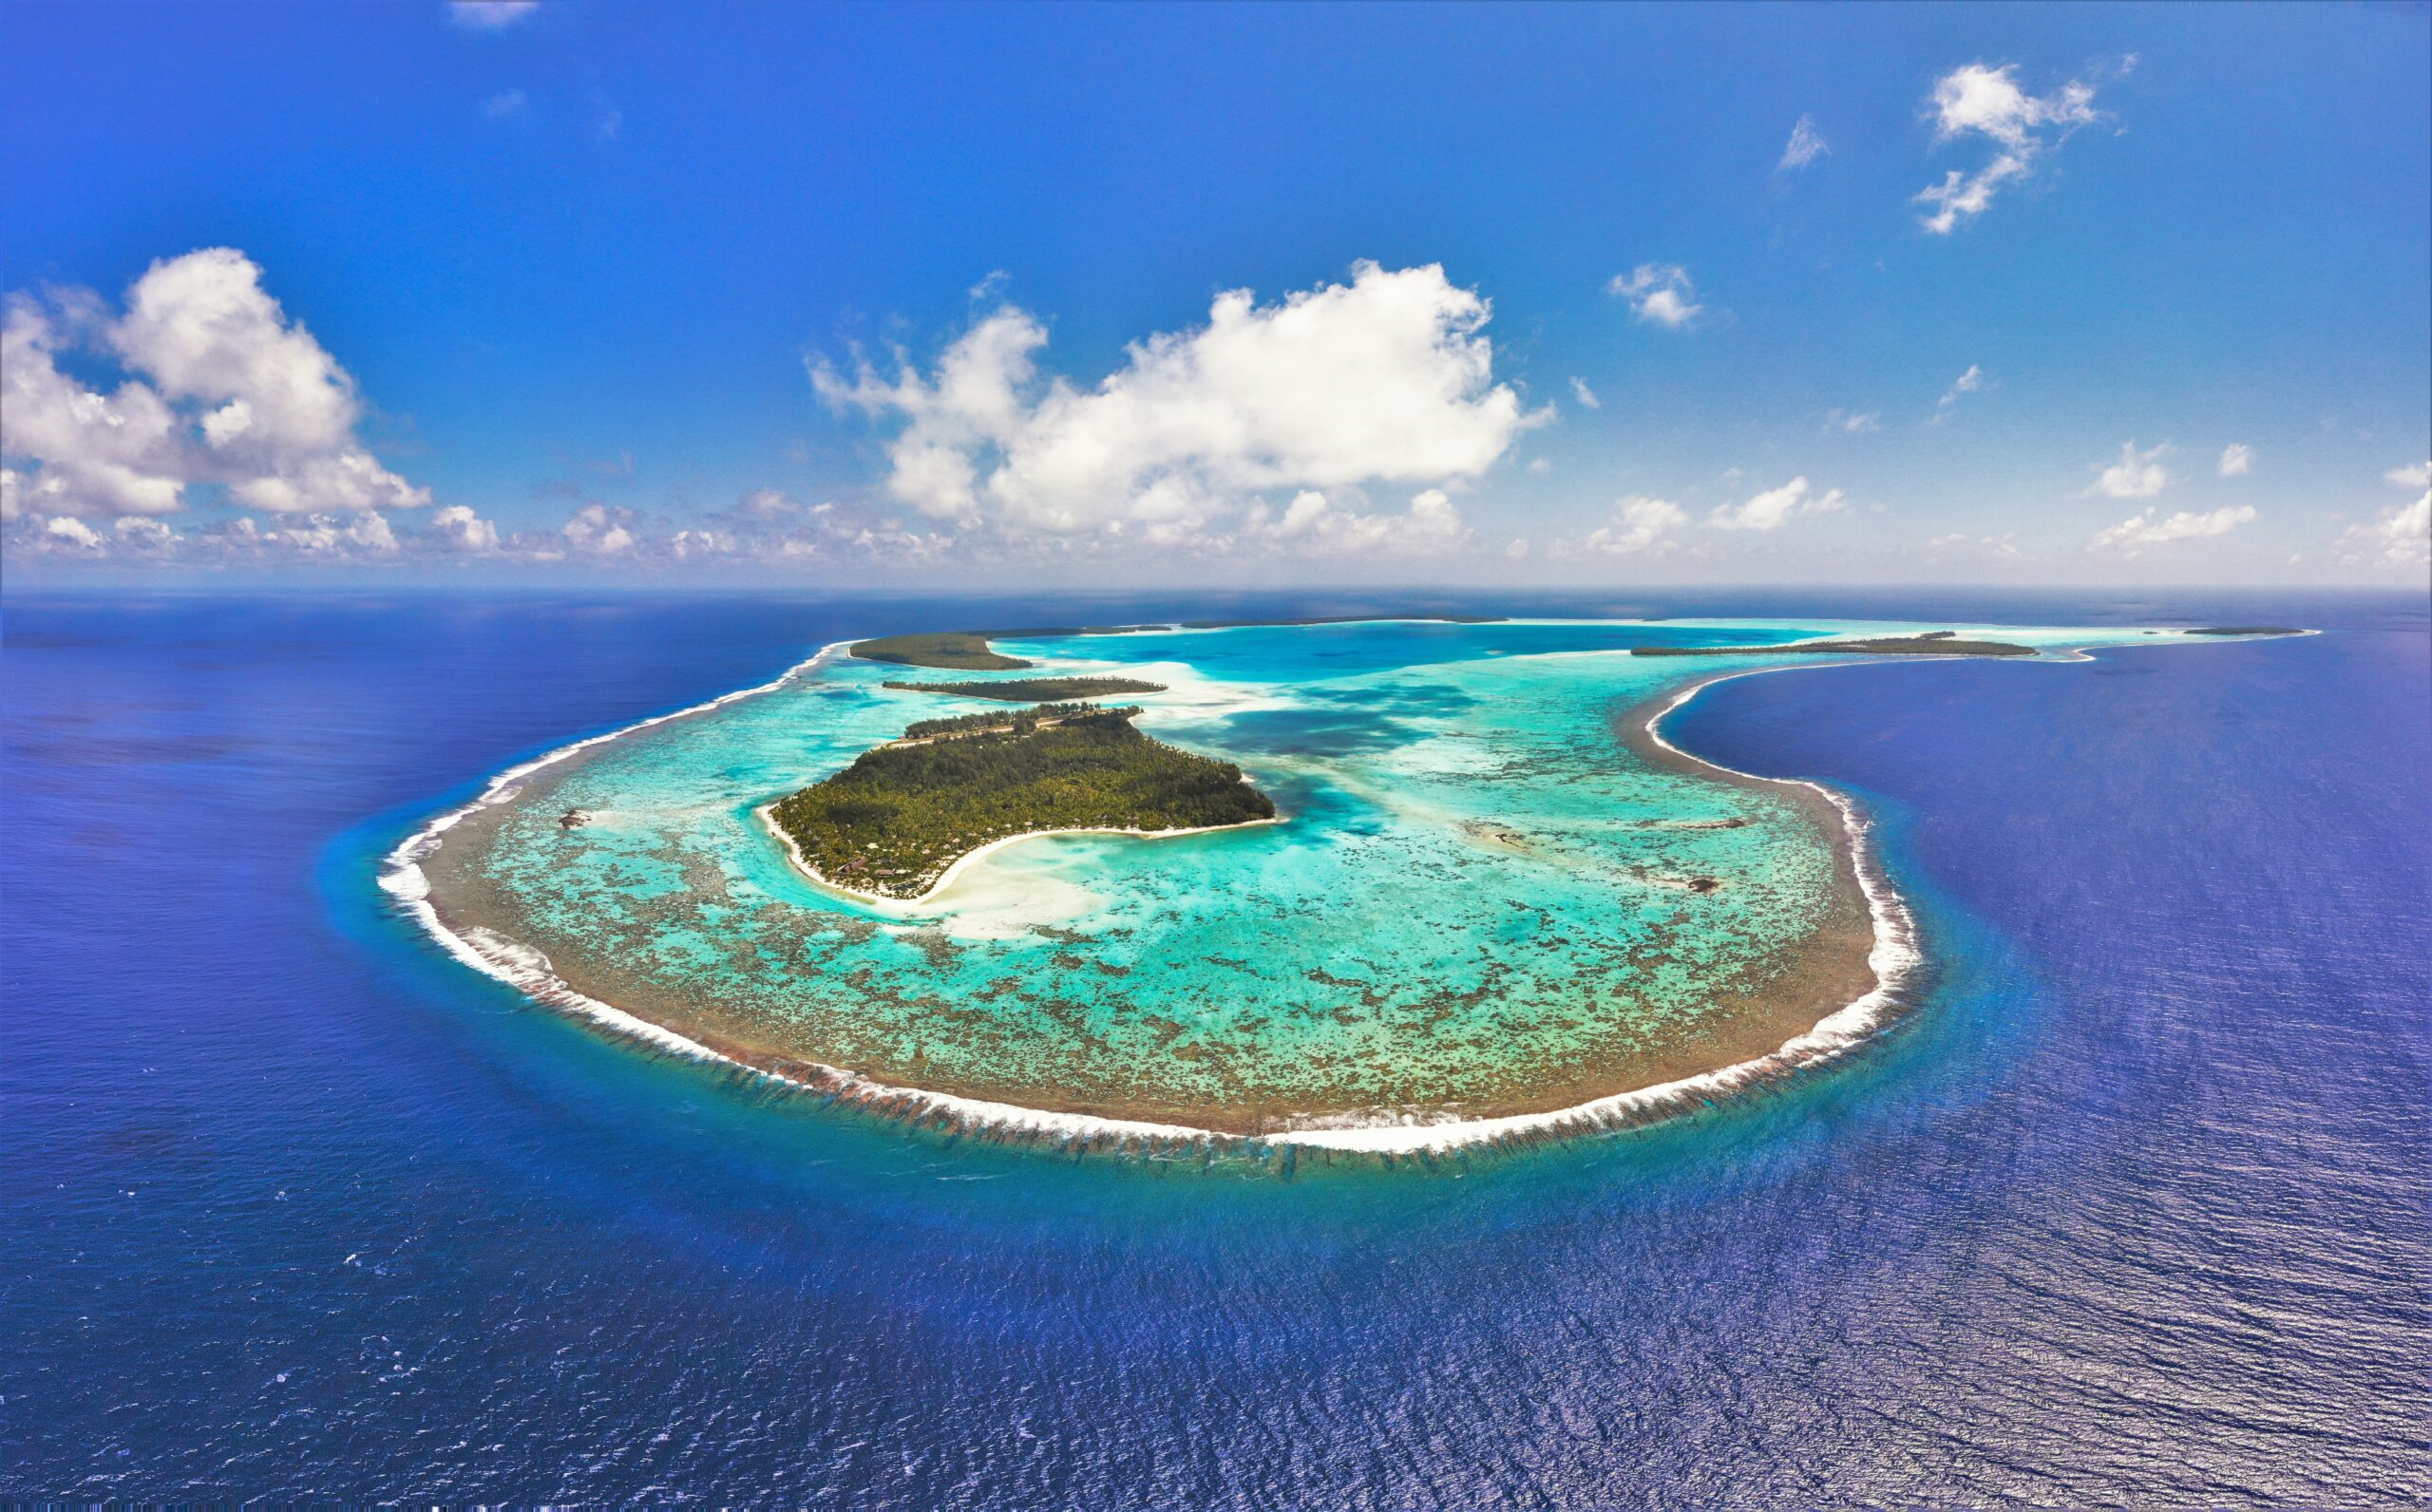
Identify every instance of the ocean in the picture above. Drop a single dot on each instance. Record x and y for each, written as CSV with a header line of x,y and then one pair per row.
x,y
2131,1211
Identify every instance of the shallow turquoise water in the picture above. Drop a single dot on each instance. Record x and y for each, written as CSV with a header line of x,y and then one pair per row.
x,y
1478,898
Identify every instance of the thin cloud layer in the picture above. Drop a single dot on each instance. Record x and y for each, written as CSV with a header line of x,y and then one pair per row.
x,y
1967,383
1805,146
491,15
2135,535
1386,379
1776,507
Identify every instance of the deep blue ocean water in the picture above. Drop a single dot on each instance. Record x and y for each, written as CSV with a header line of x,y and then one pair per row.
x,y
2135,1212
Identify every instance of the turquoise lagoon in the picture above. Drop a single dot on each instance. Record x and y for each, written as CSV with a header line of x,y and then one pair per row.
x,y
1483,906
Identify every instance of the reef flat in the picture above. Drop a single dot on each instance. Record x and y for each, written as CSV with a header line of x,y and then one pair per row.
x,y
1496,901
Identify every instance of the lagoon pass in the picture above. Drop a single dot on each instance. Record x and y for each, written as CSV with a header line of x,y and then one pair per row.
x,y
1495,905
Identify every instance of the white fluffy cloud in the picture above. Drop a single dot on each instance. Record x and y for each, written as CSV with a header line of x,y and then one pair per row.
x,y
2401,536
1638,526
73,533
2131,535
457,528
2237,460
1776,507
361,534
120,453
1987,101
1313,526
1660,293
1586,395
600,531
2136,475
1387,378
223,388
1849,422
1805,146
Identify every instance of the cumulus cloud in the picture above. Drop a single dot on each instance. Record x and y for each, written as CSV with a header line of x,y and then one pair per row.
x,y
223,388
365,534
2136,475
1586,395
73,533
491,15
1312,524
1978,101
1805,146
2401,536
1852,424
1966,383
1776,507
2131,535
120,453
1387,378
457,528
1638,525
599,530
2237,460
770,525
1660,293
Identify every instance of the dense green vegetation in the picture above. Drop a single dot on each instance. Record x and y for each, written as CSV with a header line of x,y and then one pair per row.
x,y
1020,721
896,817
1938,643
1037,690
955,649
2246,629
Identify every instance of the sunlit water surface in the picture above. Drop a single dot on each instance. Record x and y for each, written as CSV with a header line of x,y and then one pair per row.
x,y
2133,1212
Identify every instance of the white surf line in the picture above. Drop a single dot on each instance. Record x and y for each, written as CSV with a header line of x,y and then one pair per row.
x,y
1893,957
401,872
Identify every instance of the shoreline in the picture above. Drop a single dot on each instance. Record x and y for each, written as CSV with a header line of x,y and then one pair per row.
x,y
882,903
1892,958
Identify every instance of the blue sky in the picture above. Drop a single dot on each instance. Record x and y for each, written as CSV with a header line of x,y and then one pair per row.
x,y
923,295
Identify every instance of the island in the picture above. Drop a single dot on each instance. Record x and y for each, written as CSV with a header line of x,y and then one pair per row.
x,y
1504,907
1034,689
956,651
900,818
